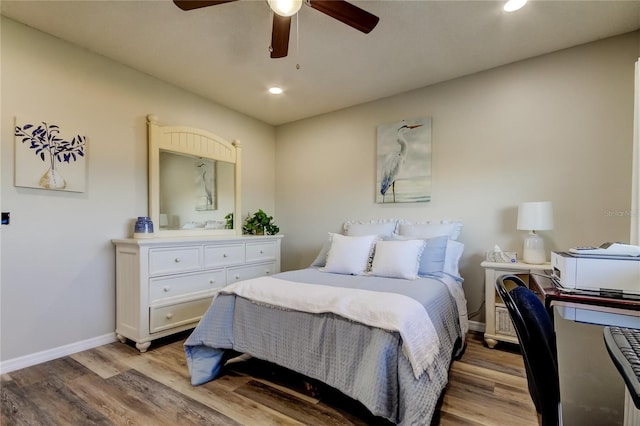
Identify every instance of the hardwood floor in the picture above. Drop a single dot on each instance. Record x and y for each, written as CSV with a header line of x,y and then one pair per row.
x,y
116,385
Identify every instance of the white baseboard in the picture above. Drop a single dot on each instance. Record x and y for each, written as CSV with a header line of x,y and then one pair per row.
x,y
476,326
44,356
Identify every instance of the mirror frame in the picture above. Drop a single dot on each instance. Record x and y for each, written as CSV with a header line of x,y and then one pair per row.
x,y
199,143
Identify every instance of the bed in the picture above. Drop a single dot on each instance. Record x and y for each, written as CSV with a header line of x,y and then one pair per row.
x,y
379,315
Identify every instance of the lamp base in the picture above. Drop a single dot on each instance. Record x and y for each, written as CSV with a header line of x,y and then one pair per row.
x,y
533,251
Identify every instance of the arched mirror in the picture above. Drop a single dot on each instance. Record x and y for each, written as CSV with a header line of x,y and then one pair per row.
x,y
194,182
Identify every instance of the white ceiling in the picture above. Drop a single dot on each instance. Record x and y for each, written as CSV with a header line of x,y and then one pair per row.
x,y
221,52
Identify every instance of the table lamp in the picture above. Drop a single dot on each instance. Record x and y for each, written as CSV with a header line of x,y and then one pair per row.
x,y
532,217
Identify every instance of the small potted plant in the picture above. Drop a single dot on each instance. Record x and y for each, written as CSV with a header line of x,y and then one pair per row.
x,y
260,223
229,221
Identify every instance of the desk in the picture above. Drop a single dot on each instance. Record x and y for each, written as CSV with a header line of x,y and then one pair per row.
x,y
550,294
591,389
624,348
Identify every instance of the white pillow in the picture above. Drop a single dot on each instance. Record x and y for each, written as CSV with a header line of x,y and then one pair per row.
x,y
349,255
397,259
430,230
384,228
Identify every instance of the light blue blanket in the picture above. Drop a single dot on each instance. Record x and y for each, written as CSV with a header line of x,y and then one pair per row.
x,y
363,362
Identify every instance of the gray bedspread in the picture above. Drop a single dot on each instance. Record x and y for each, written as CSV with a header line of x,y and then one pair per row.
x,y
363,362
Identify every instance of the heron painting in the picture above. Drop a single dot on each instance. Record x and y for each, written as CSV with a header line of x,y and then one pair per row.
x,y
204,182
404,161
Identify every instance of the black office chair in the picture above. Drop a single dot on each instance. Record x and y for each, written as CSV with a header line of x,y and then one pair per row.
x,y
538,345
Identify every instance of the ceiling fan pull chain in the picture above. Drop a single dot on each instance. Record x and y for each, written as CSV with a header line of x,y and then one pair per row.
x,y
271,42
298,39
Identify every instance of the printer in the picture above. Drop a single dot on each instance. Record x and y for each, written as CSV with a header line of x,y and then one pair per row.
x,y
596,271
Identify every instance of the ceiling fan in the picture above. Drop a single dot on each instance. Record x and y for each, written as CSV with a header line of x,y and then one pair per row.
x,y
341,10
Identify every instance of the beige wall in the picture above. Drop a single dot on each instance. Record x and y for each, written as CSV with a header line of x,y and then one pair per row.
x,y
58,264
557,127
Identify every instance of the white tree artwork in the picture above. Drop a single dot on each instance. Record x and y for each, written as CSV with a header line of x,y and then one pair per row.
x,y
47,159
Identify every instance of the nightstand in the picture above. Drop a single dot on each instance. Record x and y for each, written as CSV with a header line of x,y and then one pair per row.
x,y
498,325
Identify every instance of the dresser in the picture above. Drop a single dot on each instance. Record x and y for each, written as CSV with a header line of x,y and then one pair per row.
x,y
164,285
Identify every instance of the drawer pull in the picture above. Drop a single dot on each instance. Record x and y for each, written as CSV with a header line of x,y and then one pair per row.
x,y
267,272
261,251
177,260
237,277
166,288
169,316
225,255
212,281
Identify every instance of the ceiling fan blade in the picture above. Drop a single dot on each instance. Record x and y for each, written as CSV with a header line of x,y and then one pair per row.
x,y
347,13
280,36
197,4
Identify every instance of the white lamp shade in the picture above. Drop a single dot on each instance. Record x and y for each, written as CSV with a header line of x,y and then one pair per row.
x,y
535,216
285,7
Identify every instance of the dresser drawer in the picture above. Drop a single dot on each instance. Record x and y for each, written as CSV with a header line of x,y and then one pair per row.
x,y
174,259
179,285
261,251
226,255
247,272
165,317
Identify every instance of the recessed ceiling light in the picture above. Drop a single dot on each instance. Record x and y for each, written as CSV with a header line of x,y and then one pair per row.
x,y
275,90
513,5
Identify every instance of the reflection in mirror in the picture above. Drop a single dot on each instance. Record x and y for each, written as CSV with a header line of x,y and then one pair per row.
x,y
194,182
195,192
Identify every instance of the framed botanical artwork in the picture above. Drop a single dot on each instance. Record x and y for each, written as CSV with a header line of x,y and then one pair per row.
x,y
403,170
49,156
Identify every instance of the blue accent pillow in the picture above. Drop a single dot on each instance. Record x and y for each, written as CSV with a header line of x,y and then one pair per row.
x,y
433,255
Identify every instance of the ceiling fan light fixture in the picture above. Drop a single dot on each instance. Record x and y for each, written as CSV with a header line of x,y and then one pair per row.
x,y
513,5
285,7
